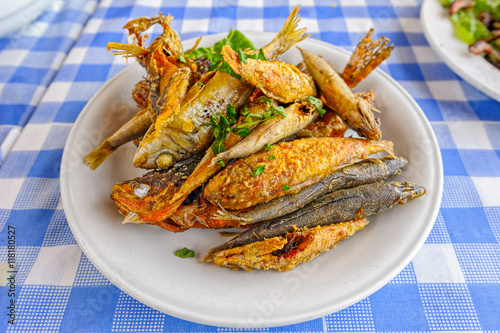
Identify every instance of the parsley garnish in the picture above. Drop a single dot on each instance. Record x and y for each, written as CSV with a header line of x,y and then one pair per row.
x,y
221,163
220,129
184,253
245,56
286,187
243,132
201,83
317,103
266,100
181,58
231,114
272,157
258,170
224,67
268,147
280,110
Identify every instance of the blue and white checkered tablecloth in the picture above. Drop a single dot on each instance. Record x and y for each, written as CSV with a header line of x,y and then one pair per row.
x,y
49,70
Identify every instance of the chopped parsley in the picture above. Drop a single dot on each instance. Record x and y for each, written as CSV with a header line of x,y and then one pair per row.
x,y
268,147
258,170
184,253
181,58
231,114
286,187
272,157
220,129
266,100
221,163
317,103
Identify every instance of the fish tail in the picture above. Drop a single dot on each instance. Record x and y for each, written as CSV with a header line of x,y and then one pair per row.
x,y
99,155
387,146
287,37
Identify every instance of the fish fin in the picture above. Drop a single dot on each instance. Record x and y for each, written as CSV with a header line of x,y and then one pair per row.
x,y
232,58
132,217
126,50
365,58
99,155
287,37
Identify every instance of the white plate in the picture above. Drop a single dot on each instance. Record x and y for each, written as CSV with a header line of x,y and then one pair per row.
x,y
454,52
140,259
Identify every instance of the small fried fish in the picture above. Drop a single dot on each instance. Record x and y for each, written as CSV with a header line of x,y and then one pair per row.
x,y
355,111
294,165
337,206
285,252
279,80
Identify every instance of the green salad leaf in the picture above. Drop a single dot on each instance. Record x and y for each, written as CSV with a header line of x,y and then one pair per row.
x,y
468,27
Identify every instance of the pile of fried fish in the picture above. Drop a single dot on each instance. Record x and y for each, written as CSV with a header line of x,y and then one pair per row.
x,y
236,138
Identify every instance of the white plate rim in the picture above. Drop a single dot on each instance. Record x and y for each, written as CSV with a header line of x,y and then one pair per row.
x,y
269,322
438,31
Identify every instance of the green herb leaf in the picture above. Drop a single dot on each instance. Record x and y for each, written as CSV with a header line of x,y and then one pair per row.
x,y
221,163
317,103
266,100
201,83
231,114
268,147
280,110
224,67
258,170
272,157
184,253
181,58
261,55
243,56
243,132
286,187
217,147
220,129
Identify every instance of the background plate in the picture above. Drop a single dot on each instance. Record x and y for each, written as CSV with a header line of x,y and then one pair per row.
x,y
140,259
454,52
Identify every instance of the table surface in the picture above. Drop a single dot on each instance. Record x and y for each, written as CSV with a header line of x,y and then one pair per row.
x,y
52,67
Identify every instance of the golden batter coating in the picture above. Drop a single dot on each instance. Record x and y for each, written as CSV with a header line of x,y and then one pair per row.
x,y
279,80
292,166
284,253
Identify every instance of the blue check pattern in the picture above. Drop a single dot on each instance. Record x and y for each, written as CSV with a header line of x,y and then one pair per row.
x,y
49,70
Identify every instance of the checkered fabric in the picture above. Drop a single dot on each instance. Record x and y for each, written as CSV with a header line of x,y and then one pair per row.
x,y
49,71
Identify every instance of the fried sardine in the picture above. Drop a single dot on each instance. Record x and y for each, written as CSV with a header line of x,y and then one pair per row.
x,y
294,165
285,252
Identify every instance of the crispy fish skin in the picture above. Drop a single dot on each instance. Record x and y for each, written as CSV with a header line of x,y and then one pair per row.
x,y
283,253
337,206
298,116
170,105
142,194
366,57
365,172
186,135
279,80
205,169
297,164
338,96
